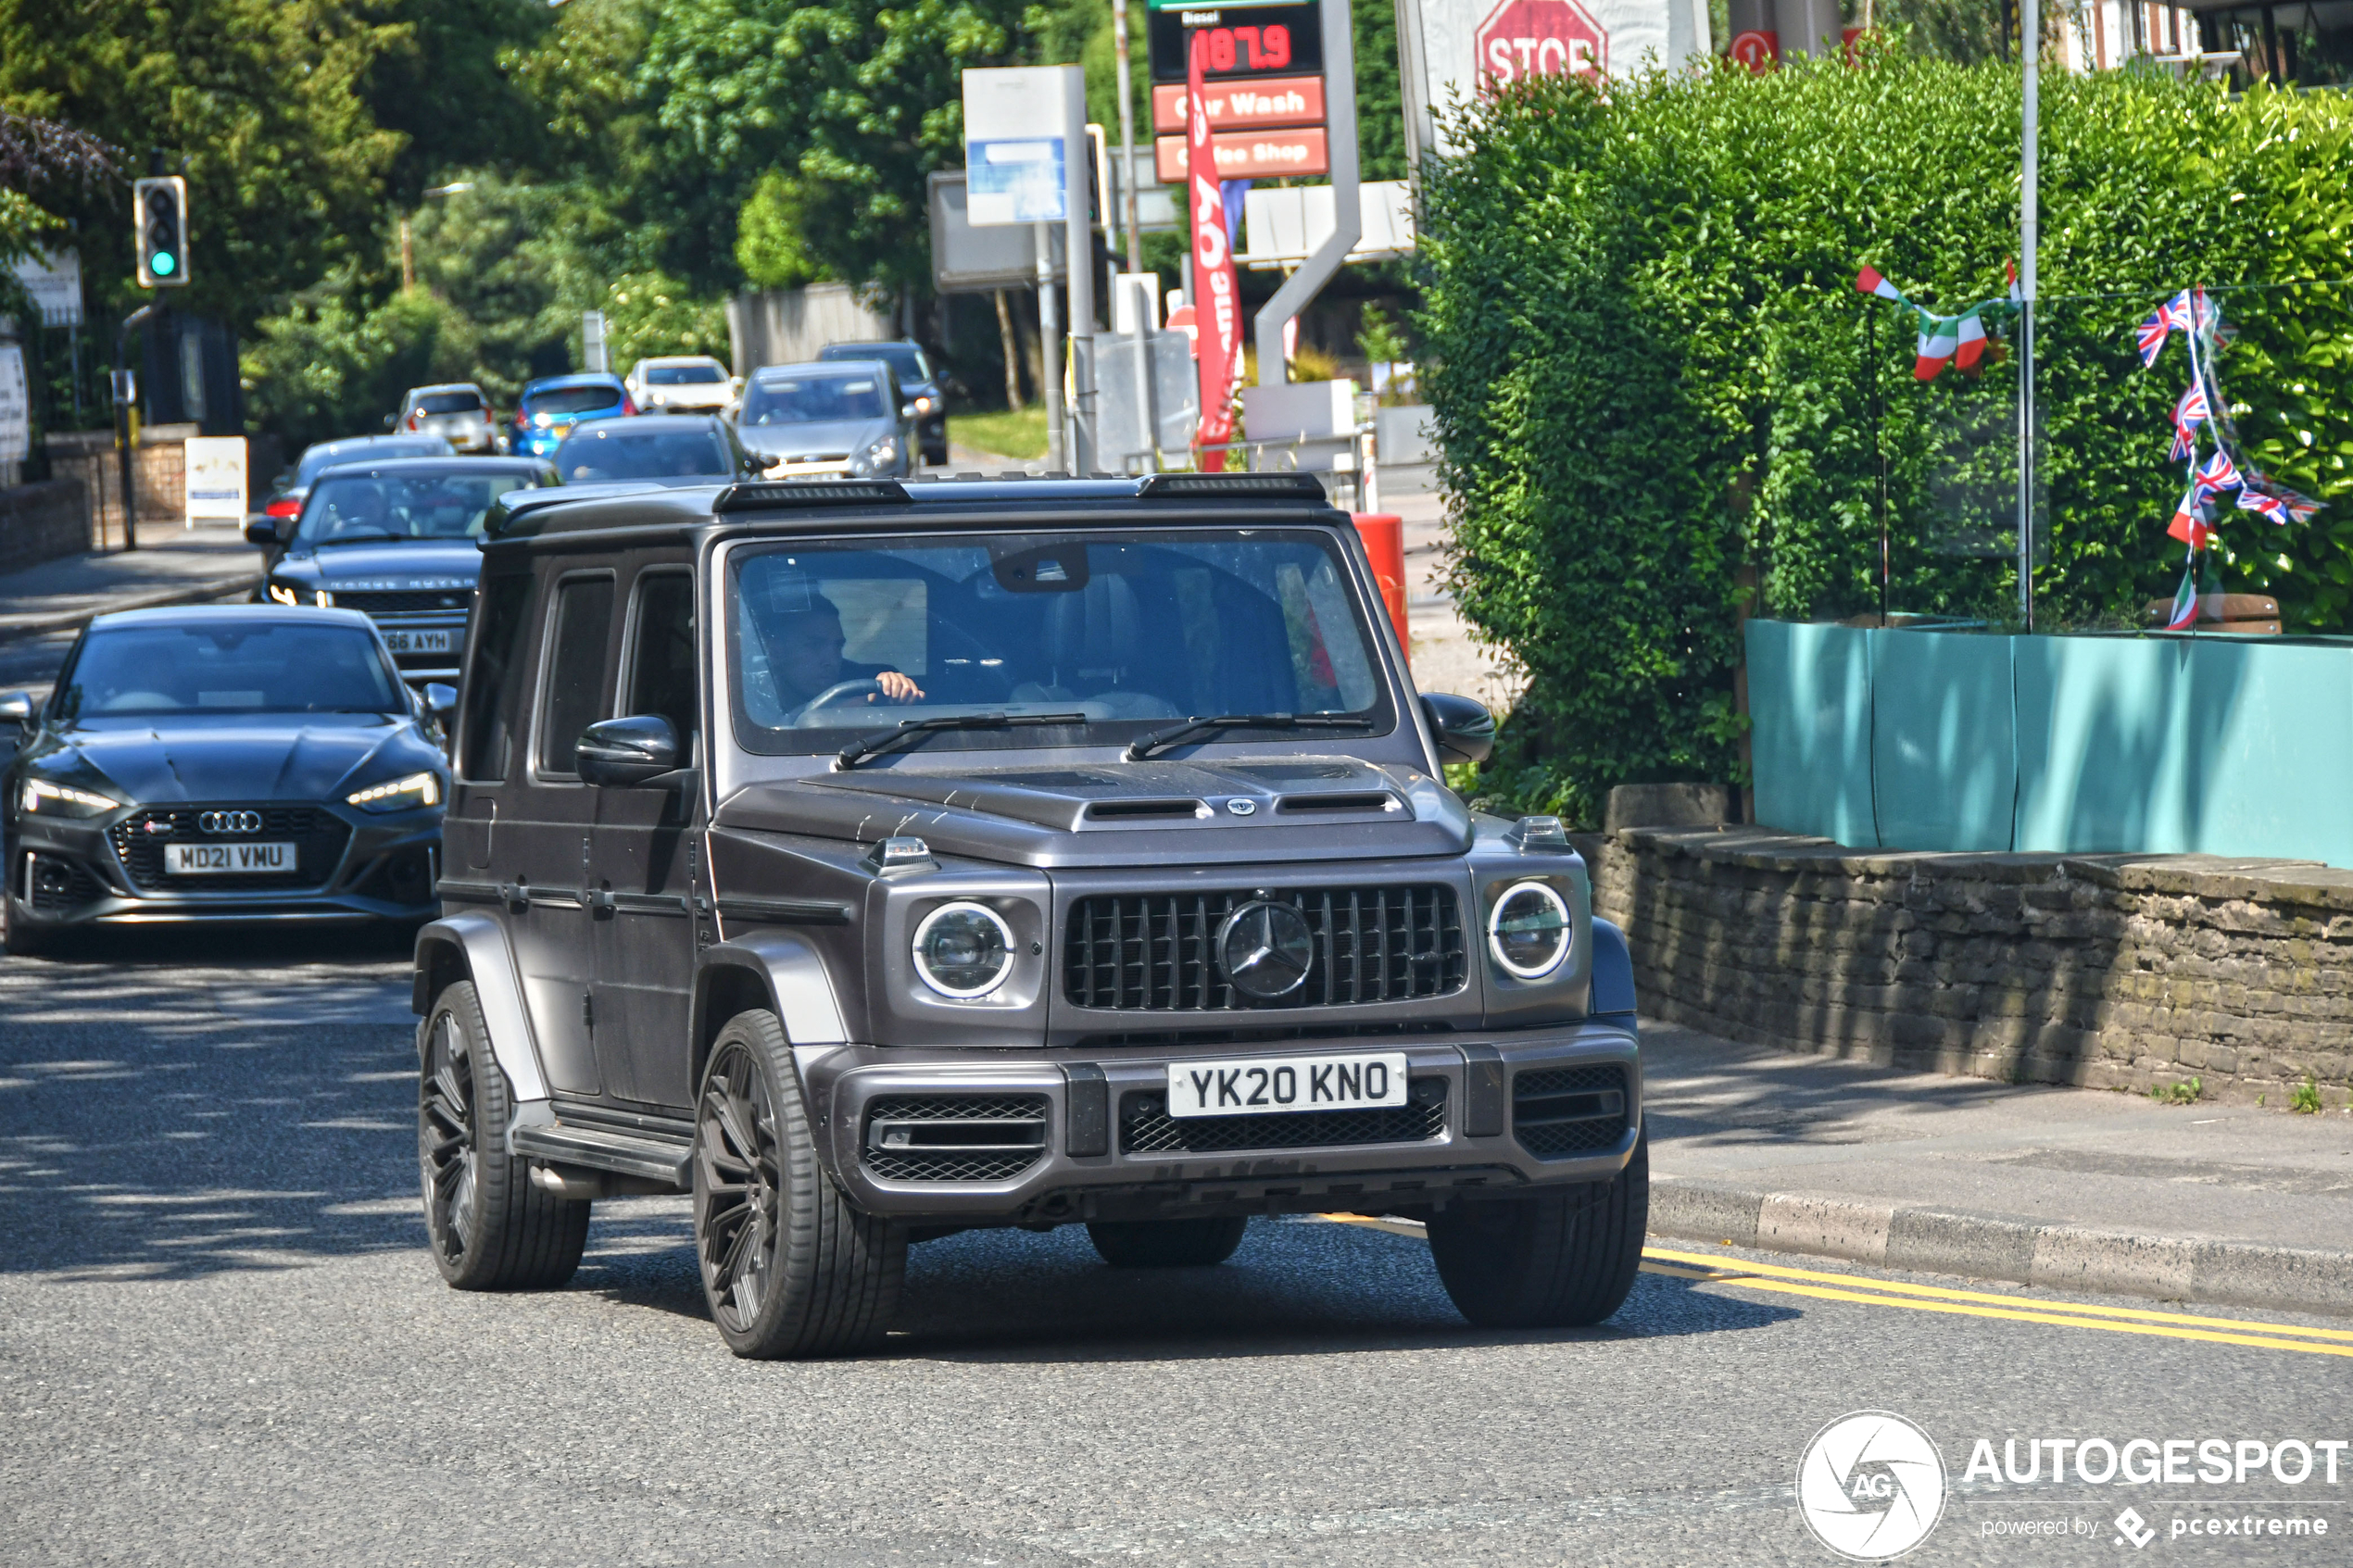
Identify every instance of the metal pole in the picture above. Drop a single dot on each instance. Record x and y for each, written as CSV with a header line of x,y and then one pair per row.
x,y
1078,235
1049,349
1144,328
122,429
2029,224
1347,225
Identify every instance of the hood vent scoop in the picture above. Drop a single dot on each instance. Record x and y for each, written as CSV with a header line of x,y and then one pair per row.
x,y
1134,810
1340,800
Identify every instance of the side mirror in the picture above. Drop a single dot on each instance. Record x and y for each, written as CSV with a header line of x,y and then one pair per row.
x,y
441,698
262,530
1466,730
392,421
908,410
628,751
16,709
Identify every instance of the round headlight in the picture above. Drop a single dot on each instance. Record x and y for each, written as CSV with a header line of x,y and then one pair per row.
x,y
1529,931
963,951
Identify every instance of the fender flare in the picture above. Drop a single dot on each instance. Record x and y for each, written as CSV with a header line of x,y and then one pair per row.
x,y
1613,971
476,945
786,972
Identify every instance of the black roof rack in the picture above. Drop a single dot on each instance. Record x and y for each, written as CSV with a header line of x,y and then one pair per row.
x,y
1299,486
763,494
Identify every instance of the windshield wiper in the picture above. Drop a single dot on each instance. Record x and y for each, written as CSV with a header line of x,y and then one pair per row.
x,y
1146,744
912,730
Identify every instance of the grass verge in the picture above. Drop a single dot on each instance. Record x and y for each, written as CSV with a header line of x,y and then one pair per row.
x,y
1008,434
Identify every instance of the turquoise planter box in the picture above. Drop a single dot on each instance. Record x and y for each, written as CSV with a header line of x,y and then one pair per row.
x,y
1905,739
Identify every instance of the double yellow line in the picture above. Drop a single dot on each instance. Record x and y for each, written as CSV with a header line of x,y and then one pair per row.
x,y
1772,1277
1704,1269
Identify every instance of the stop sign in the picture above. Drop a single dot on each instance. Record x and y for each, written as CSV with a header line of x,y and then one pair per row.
x,y
1523,38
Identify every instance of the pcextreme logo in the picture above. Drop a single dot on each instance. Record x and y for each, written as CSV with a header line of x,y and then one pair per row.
x,y
1870,1486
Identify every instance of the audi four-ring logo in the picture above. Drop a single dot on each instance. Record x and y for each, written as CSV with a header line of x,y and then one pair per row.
x,y
228,822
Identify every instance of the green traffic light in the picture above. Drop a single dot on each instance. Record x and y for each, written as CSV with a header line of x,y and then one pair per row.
x,y
161,264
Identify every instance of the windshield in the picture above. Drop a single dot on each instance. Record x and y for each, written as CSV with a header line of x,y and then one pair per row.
x,y
833,642
906,362
602,453
684,375
814,399
449,403
328,456
560,400
346,510
233,665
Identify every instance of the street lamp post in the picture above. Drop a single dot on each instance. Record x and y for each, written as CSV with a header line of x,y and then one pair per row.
x,y
2029,224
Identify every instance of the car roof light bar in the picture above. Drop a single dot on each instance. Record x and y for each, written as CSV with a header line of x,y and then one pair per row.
x,y
1204,486
765,494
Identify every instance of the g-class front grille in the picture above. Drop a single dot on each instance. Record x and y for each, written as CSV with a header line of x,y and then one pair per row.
x,y
318,835
1155,952
1145,1126
954,1137
1558,1112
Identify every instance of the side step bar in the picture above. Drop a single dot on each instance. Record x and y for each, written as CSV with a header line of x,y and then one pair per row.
x,y
649,1156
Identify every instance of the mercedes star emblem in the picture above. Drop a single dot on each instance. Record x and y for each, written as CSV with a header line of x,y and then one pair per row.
x,y
1267,950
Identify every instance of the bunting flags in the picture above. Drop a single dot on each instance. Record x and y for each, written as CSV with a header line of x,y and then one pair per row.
x,y
2189,524
1944,340
2184,613
2153,333
2218,474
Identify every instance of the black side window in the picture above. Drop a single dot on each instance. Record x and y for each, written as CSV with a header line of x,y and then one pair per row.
x,y
494,682
661,676
573,698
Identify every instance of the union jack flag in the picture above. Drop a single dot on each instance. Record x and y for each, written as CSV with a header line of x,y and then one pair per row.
x,y
2218,474
2153,333
2176,310
2271,507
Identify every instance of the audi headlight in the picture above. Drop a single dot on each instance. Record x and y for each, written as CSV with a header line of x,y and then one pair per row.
x,y
280,594
1529,931
963,951
398,795
63,800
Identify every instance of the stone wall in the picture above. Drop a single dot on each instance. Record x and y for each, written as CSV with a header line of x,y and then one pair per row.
x,y
42,521
2125,971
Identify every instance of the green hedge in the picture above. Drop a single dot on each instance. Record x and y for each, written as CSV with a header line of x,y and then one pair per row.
x,y
1652,382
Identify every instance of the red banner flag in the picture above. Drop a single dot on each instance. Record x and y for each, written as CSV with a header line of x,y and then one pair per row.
x,y
1219,308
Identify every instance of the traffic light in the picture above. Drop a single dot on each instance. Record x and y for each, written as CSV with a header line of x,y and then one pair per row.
x,y
159,222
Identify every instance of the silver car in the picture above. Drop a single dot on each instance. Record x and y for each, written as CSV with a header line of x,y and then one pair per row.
x,y
843,420
457,413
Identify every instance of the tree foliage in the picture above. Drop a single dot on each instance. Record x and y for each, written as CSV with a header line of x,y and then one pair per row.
x,y
1653,372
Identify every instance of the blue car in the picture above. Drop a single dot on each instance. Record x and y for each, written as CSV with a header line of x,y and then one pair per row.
x,y
551,405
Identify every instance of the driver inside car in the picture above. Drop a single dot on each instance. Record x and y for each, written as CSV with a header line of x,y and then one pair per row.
x,y
804,658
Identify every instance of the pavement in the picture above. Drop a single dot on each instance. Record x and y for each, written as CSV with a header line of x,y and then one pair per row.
x,y
2077,1189
172,565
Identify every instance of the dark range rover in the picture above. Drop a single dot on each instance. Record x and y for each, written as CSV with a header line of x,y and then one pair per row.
x,y
874,860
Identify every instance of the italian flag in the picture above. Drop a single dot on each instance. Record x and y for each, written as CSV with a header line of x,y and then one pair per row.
x,y
2189,524
1973,349
1940,339
2184,602
1869,282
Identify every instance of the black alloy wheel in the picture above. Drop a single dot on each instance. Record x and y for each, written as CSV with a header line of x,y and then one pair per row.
x,y
1562,1258
489,1228
789,1269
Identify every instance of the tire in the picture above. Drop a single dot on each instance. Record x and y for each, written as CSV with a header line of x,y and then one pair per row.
x,y
1562,1258
488,1227
27,940
788,1268
1167,1244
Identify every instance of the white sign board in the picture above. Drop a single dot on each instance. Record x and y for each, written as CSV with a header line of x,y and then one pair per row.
x,y
16,407
54,280
216,470
1466,47
1022,127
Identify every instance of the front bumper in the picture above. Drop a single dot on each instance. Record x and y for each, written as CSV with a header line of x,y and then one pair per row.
x,y
67,872
1098,1158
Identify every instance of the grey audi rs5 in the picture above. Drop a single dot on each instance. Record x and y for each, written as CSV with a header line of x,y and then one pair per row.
x,y
221,763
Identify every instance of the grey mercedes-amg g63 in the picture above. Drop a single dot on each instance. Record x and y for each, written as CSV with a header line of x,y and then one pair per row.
x,y
874,860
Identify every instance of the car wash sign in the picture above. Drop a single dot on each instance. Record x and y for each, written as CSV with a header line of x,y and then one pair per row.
x,y
1465,49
